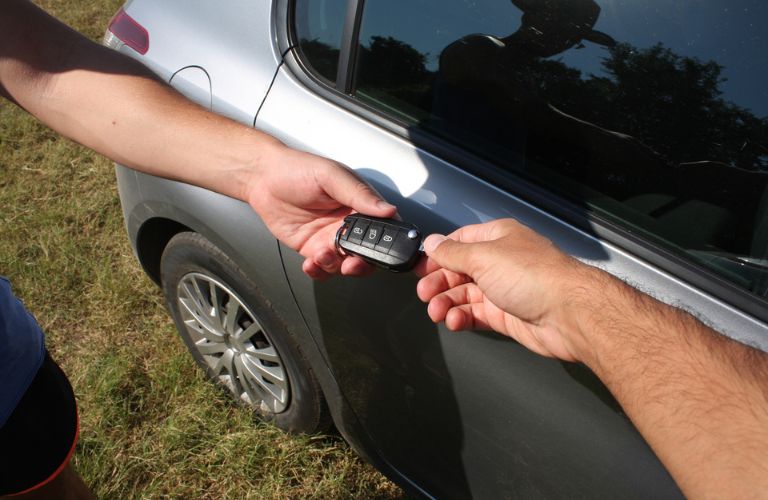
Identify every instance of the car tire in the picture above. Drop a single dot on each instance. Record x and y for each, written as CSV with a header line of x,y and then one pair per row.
x,y
240,342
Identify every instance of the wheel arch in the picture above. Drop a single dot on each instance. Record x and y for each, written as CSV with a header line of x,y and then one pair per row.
x,y
152,238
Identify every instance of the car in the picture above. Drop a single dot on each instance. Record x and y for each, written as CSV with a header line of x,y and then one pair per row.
x,y
633,134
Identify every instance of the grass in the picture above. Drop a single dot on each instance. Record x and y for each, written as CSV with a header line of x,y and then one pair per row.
x,y
151,426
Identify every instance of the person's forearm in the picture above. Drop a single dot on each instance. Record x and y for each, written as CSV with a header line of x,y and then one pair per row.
x,y
698,398
70,84
157,131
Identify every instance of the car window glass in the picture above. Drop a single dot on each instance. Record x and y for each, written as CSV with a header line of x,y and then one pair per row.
x,y
651,114
319,25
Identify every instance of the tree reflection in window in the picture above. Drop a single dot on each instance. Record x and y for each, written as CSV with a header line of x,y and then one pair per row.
x,y
652,131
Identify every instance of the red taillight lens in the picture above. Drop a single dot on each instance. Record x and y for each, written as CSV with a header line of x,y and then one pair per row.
x,y
129,32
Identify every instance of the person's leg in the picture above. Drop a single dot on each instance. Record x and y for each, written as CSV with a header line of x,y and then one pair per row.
x,y
68,485
38,440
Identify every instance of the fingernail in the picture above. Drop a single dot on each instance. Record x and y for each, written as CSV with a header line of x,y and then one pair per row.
x,y
433,241
384,205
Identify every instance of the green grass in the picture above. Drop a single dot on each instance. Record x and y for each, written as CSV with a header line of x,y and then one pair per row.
x,y
151,426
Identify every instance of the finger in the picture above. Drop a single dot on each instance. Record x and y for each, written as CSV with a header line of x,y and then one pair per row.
x,y
449,254
313,270
320,250
458,317
328,260
473,233
475,317
438,307
421,268
440,304
344,186
426,266
355,266
467,234
486,231
438,282
467,317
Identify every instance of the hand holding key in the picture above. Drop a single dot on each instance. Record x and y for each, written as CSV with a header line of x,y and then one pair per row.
x,y
505,277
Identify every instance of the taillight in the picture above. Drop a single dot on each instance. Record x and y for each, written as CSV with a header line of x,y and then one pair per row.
x,y
128,31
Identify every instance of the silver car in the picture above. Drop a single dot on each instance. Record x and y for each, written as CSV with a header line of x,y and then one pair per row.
x,y
632,133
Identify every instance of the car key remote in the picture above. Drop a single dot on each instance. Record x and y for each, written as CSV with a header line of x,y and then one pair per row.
x,y
387,243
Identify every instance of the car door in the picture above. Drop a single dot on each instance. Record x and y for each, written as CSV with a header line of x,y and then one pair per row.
x,y
459,112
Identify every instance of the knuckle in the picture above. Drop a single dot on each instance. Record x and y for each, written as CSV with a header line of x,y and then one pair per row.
x,y
362,190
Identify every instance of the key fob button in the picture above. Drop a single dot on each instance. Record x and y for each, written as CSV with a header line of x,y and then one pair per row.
x,y
403,247
356,233
387,238
373,235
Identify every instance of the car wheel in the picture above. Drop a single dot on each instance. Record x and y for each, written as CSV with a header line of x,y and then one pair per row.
x,y
237,338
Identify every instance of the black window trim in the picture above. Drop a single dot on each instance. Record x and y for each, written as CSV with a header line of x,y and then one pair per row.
x,y
691,273
348,52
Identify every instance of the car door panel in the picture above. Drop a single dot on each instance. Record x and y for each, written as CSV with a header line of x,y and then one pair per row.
x,y
470,413
217,39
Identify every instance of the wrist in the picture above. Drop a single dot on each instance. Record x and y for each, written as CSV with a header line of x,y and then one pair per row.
x,y
260,154
589,304
612,322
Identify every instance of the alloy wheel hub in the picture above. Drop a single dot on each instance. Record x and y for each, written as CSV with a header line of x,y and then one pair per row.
x,y
234,345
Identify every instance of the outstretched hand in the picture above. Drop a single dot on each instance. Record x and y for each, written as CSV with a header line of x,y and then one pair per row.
x,y
303,199
502,276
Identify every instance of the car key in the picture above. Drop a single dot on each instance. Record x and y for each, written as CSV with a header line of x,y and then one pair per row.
x,y
387,243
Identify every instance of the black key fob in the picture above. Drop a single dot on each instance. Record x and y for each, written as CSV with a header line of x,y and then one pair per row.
x,y
387,243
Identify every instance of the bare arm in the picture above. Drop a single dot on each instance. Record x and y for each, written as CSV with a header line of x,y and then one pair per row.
x,y
114,105
698,398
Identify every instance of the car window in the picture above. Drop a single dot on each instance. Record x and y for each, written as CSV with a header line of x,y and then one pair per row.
x,y
319,25
651,114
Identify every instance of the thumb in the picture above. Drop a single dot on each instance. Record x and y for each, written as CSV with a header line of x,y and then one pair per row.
x,y
447,253
344,186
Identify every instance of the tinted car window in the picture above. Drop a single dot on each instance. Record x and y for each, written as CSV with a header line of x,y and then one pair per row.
x,y
651,114
319,25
